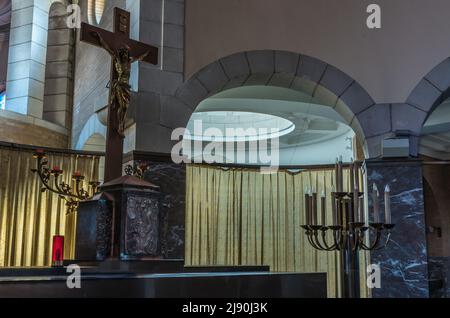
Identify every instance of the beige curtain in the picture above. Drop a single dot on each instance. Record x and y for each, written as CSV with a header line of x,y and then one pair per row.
x,y
243,217
28,218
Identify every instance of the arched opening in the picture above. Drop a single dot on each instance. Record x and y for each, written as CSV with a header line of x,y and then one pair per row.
x,y
434,148
319,82
309,131
58,90
97,143
237,215
432,122
5,25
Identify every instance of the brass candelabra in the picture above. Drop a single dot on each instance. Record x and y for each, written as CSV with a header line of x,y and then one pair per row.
x,y
347,229
349,232
51,180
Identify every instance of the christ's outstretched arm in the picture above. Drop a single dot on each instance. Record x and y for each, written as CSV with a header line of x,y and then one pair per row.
x,y
102,42
140,58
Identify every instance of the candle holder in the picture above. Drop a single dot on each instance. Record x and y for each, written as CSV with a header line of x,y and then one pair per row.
x,y
349,233
137,170
71,195
348,230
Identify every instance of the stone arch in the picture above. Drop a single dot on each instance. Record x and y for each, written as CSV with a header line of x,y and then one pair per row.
x,y
430,92
274,68
92,127
58,89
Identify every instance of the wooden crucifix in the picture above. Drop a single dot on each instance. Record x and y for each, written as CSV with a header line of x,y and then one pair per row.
x,y
124,51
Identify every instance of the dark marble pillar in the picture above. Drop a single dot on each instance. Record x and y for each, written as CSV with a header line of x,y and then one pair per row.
x,y
404,264
171,180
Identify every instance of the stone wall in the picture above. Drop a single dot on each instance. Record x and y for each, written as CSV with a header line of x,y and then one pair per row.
x,y
29,133
58,90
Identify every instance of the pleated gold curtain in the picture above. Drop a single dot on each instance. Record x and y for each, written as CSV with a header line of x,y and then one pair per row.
x,y
243,217
28,218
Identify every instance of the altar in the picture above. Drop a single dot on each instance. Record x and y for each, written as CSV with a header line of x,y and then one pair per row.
x,y
166,281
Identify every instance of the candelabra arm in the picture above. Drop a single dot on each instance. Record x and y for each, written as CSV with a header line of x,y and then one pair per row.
x,y
309,235
338,237
325,240
316,238
375,244
311,241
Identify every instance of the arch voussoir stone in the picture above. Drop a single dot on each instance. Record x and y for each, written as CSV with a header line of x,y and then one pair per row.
x,y
356,98
261,62
335,80
407,117
213,77
375,120
192,92
440,75
236,66
311,68
286,62
425,96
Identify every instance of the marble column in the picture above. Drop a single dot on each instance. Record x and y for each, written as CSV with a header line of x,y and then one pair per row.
x,y
404,264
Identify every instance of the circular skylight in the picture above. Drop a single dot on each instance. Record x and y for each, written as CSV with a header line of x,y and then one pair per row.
x,y
236,126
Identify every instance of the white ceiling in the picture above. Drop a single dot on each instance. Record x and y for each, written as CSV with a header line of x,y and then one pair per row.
x,y
319,134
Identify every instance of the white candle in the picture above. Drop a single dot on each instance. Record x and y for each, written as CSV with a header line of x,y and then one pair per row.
x,y
336,174
356,167
333,207
352,177
323,208
314,215
376,204
307,214
387,205
362,213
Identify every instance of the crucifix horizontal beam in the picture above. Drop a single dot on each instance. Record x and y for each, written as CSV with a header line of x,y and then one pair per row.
x,y
116,40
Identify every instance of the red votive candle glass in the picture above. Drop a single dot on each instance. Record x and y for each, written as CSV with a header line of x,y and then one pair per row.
x,y
76,174
58,251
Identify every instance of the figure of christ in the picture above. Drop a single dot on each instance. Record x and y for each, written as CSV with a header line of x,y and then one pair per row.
x,y
120,89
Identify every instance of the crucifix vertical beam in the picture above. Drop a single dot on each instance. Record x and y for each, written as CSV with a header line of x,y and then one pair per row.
x,y
114,141
114,42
